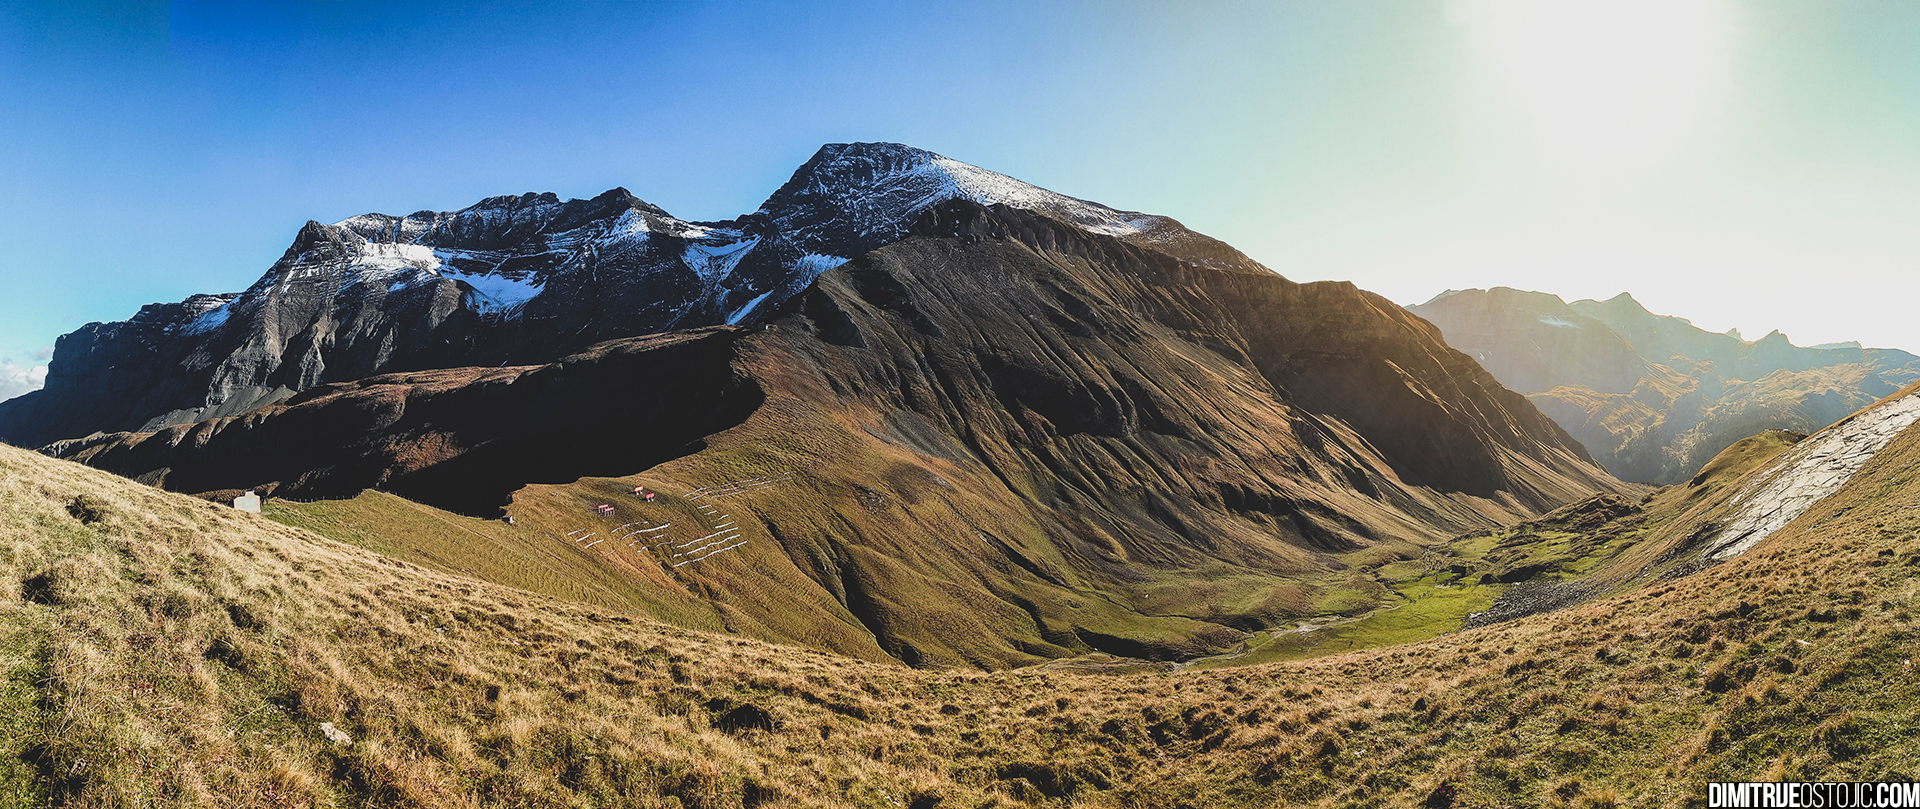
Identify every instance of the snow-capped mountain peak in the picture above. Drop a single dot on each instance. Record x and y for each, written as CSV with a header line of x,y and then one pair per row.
x,y
875,190
527,278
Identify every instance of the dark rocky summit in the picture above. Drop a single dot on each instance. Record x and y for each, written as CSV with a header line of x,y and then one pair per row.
x,y
1653,397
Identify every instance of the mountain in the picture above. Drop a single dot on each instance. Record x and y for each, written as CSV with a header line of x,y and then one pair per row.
x,y
1020,430
163,645
1654,397
509,280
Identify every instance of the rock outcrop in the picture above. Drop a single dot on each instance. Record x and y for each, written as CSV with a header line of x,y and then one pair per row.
x,y
1811,470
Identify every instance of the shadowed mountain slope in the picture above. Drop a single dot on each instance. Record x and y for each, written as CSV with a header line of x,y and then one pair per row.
x,y
1652,397
1002,438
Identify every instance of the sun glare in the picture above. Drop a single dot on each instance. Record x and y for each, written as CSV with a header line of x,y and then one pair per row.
x,y
1604,85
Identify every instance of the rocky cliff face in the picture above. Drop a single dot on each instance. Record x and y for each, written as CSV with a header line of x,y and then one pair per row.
x,y
1007,435
1812,470
1653,397
510,280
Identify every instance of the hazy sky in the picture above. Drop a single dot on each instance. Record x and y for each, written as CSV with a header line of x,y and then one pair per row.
x,y
1750,165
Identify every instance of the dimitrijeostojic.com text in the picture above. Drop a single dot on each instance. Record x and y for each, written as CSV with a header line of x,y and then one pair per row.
x,y
1813,794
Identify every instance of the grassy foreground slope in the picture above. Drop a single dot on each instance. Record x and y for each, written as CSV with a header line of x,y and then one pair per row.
x,y
163,652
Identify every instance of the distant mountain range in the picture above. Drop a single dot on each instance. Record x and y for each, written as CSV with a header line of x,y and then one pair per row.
x,y
1011,425
1654,397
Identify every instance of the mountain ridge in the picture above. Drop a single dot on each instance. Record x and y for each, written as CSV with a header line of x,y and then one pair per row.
x,y
511,280
1654,397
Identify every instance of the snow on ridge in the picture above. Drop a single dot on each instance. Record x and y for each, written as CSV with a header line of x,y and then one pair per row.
x,y
987,187
448,255
209,320
379,228
879,190
811,265
198,305
853,198
1143,222
368,225
1558,322
501,213
491,213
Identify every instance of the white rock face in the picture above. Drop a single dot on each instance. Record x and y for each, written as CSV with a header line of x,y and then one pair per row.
x,y
1808,472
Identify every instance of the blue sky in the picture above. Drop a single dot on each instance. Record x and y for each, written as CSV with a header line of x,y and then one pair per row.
x,y
1750,165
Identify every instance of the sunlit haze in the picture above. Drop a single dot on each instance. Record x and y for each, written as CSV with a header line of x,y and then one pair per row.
x,y
1742,164
1598,88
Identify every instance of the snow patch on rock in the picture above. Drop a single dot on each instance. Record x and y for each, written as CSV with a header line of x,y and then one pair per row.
x,y
494,293
742,312
811,265
713,261
209,320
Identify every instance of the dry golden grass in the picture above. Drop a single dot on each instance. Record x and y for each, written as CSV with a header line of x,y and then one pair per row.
x,y
163,652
